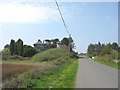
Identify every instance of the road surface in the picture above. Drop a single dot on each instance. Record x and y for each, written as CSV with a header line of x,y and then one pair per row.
x,y
95,75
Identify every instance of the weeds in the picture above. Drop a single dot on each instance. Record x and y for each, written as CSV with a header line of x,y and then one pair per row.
x,y
50,54
107,61
55,68
10,70
63,77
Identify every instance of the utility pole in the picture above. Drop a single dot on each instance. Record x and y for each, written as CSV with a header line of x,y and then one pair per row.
x,y
65,28
69,46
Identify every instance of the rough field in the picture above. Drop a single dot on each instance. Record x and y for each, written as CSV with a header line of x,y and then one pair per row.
x,y
41,69
10,70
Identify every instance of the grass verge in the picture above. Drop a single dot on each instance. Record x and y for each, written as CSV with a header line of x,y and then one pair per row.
x,y
23,80
55,75
51,66
114,65
63,77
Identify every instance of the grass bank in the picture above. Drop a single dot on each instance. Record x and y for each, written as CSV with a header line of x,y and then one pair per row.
x,y
56,68
24,79
105,62
57,75
62,77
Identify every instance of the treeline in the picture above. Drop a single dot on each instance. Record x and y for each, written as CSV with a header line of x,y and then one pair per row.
x,y
109,49
65,41
18,48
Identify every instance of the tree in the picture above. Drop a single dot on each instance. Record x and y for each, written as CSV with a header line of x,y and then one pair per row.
x,y
99,47
55,41
107,49
5,53
7,46
29,51
94,49
15,48
115,46
12,44
65,41
91,48
99,44
19,47
68,42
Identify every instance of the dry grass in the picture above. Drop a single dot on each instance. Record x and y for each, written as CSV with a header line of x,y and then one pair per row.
x,y
20,75
10,70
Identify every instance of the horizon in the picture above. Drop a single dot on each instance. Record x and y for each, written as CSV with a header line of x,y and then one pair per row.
x,y
88,22
24,43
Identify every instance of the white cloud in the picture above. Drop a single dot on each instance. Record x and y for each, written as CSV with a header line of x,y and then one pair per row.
x,y
19,13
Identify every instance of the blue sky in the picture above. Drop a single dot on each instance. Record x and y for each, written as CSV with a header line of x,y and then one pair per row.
x,y
88,22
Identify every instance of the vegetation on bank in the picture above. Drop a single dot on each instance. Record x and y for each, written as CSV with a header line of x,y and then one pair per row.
x,y
18,48
62,77
43,66
104,60
24,79
25,67
107,54
10,70
51,54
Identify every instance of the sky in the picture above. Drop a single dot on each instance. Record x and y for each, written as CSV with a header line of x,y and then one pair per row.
x,y
87,22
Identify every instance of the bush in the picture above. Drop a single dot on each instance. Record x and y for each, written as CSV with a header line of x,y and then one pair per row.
x,y
105,58
5,53
16,57
29,51
74,55
114,54
50,54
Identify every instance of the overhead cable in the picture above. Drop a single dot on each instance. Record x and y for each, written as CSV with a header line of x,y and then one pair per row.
x,y
62,17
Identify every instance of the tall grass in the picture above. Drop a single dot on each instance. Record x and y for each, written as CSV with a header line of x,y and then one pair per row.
x,y
56,69
24,80
54,58
10,70
50,54
62,77
107,60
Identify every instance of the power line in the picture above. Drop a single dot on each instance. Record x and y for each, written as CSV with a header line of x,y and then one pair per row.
x,y
62,17
65,27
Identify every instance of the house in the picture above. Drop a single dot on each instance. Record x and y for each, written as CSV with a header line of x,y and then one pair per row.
x,y
47,41
63,47
39,45
46,44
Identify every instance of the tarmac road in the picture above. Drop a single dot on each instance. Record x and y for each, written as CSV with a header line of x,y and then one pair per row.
x,y
92,74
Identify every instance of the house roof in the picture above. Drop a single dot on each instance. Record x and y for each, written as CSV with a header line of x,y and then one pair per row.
x,y
39,42
47,40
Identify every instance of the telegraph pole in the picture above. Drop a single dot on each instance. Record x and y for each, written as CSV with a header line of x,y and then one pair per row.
x,y
69,35
69,46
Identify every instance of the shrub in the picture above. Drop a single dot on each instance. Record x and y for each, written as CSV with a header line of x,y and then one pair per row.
x,y
16,57
50,54
105,58
28,51
73,55
114,54
5,53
